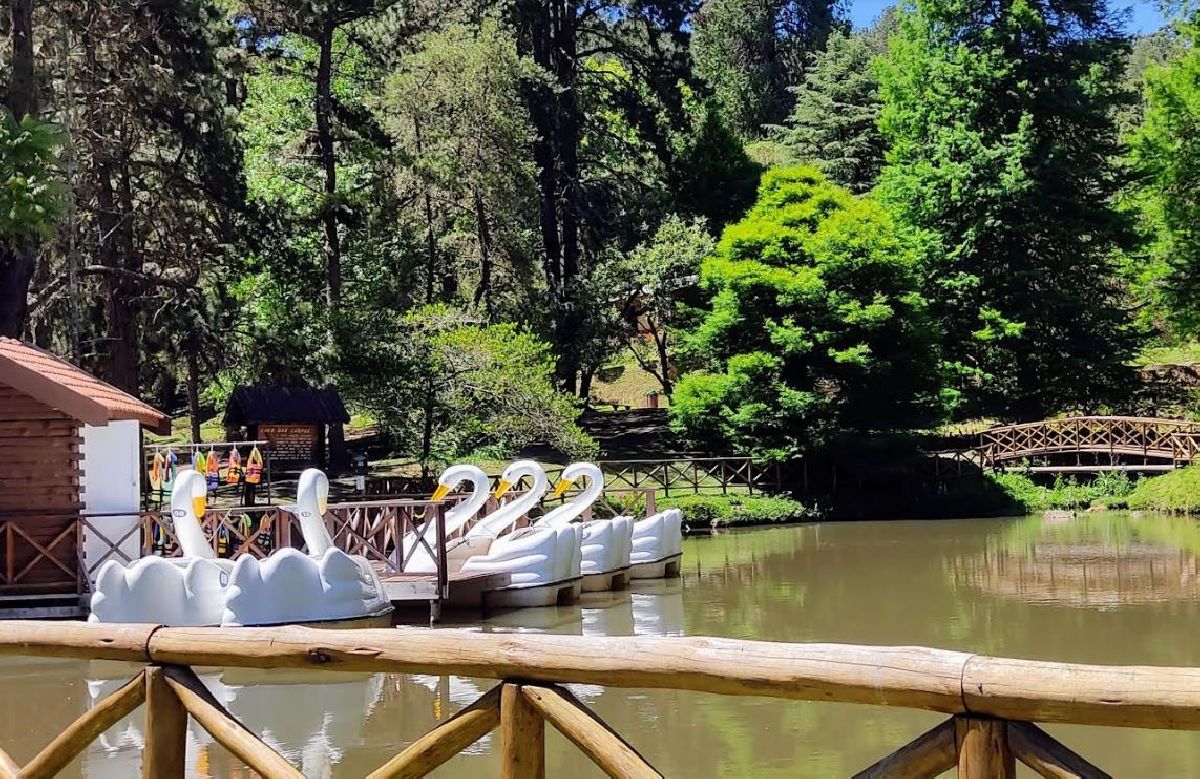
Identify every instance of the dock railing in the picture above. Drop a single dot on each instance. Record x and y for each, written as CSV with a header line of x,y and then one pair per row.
x,y
992,702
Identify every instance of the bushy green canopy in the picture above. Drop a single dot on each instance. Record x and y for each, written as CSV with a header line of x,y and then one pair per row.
x,y
815,324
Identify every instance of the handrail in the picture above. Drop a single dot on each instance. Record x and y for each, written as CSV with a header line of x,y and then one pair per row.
x,y
992,700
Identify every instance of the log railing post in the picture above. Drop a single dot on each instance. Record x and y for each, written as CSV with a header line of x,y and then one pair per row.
x,y
522,736
983,751
166,728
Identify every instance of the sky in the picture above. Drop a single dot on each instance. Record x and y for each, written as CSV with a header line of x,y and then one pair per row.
x,y
1144,14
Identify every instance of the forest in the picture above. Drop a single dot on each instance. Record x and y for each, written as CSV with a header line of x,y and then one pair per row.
x,y
462,214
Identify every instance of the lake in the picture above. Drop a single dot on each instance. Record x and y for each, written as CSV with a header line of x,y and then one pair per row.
x,y
1104,588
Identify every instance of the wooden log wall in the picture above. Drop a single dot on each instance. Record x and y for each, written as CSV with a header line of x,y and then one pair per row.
x,y
39,496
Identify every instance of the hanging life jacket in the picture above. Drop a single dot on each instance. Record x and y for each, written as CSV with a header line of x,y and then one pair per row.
x,y
233,467
222,540
199,461
157,467
159,539
254,466
265,540
171,470
213,468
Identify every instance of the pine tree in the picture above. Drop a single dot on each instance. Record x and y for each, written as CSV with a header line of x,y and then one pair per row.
x,y
834,122
1000,118
751,51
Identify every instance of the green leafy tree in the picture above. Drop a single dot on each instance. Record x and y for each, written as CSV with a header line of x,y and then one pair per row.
x,y
1166,151
815,325
1000,120
751,51
448,385
653,281
834,124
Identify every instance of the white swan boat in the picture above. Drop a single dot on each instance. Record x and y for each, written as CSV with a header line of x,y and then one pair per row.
x,y
187,591
657,546
325,586
543,561
418,559
607,543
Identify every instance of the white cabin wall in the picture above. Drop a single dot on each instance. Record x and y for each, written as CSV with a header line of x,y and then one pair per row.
x,y
110,482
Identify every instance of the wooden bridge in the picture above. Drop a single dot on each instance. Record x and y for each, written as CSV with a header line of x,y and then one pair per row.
x,y
1112,442
992,702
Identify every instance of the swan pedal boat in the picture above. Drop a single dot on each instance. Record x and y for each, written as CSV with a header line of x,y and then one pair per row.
x,y
544,562
324,588
657,546
607,544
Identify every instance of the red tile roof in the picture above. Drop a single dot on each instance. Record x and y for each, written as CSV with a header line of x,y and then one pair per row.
x,y
73,391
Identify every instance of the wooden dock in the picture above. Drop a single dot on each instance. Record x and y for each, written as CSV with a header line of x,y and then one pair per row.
x,y
466,588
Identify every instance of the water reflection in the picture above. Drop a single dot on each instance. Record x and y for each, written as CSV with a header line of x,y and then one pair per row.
x,y
1103,589
1098,560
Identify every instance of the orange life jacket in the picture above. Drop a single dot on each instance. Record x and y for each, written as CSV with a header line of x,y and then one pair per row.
x,y
254,466
233,467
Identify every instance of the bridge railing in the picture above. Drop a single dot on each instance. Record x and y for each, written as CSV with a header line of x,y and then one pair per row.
x,y
992,702
1167,439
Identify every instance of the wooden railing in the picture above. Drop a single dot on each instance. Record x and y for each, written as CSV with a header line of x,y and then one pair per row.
x,y
992,701
694,476
1173,440
371,529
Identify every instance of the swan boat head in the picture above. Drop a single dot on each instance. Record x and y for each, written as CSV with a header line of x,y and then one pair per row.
x,y
312,501
507,515
189,501
465,510
574,508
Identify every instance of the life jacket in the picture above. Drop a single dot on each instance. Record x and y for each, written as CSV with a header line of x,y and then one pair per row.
x,y
222,540
254,466
171,470
213,468
233,467
159,538
157,467
265,540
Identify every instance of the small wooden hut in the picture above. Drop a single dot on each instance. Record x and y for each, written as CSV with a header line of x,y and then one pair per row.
x,y
302,425
69,444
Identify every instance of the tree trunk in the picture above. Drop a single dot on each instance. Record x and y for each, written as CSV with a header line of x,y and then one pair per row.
x,y
427,429
430,236
18,255
323,113
193,388
664,362
483,229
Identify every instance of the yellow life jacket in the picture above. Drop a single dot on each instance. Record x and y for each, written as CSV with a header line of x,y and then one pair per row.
x,y
157,471
254,466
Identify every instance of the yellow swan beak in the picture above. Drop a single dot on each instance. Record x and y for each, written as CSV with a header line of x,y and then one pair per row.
x,y
199,506
322,505
561,486
441,492
502,487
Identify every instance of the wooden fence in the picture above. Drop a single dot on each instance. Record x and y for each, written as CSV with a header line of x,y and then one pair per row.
x,y
992,702
372,529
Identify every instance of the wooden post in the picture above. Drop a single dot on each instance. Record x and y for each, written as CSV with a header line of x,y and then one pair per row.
x,y
983,751
166,729
522,736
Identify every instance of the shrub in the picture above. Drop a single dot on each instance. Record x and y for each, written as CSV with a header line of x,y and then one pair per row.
x,y
1065,494
730,510
1177,492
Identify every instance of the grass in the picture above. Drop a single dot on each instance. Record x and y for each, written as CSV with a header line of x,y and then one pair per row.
x,y
212,430
1177,492
629,384
1186,353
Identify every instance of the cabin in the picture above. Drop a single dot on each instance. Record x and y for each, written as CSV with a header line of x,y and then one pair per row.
x,y
70,478
301,425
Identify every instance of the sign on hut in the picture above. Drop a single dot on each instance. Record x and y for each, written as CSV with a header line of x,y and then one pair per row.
x,y
70,484
295,421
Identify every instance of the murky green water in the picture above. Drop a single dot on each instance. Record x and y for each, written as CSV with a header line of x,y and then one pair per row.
x,y
1103,589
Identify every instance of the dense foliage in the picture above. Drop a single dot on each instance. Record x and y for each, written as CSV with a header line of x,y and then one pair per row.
x,y
461,214
815,325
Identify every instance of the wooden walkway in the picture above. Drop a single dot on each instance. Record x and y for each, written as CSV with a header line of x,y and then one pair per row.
x,y
466,588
